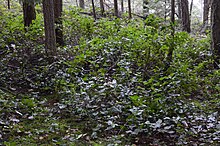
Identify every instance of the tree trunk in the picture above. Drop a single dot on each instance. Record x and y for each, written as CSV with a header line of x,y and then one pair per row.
x,y
215,30
82,4
58,8
116,8
206,7
185,16
190,12
50,37
29,13
122,6
179,11
171,47
9,4
93,9
129,9
102,7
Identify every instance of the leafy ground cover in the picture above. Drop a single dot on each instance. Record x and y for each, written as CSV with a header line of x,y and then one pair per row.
x,y
108,86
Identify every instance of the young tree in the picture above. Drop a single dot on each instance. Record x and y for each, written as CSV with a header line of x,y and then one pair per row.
x,y
215,31
206,7
122,6
185,16
58,21
116,8
29,13
102,7
50,37
93,9
129,8
9,4
82,4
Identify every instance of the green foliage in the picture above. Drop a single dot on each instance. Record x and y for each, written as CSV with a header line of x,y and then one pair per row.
x,y
108,81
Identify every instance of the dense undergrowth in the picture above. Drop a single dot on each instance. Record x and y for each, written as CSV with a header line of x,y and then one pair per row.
x,y
108,86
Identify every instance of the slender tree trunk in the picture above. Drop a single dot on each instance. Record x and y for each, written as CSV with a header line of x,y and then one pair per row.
x,y
171,47
185,16
206,6
82,4
190,12
129,9
102,7
93,9
58,8
122,6
29,13
50,37
179,11
165,9
9,4
215,30
116,8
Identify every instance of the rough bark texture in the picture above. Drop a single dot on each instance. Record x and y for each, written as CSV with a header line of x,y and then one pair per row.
x,y
9,4
185,16
216,32
58,21
129,9
102,7
116,8
50,37
82,4
29,13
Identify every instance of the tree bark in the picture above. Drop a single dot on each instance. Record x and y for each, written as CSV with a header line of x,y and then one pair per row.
x,y
206,6
58,8
179,11
190,12
185,16
9,4
116,8
122,6
82,4
102,7
29,13
129,9
215,31
93,9
50,37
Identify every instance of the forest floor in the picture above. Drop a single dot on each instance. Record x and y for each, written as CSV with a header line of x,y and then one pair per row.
x,y
109,85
